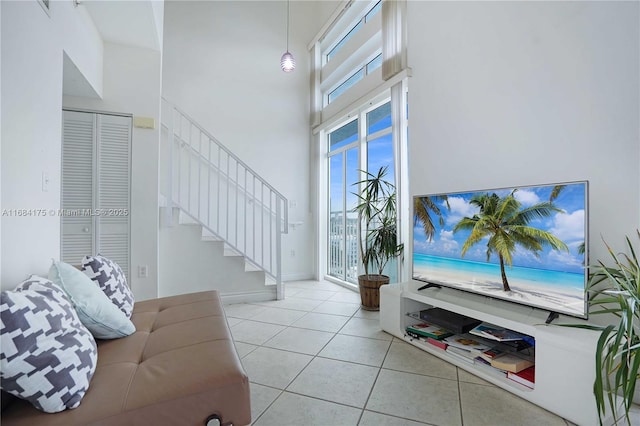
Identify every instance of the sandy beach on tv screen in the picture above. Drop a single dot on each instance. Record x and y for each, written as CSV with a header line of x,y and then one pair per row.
x,y
522,291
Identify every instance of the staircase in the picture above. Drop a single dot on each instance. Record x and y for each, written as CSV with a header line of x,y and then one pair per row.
x,y
206,185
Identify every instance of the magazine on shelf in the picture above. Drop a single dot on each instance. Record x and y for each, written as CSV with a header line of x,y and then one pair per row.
x,y
485,365
496,333
467,342
517,345
429,330
492,353
461,354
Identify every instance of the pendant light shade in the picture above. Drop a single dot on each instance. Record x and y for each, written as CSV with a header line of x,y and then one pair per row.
x,y
287,63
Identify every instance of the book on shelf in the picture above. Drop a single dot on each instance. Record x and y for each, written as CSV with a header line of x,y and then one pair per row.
x,y
512,362
485,365
429,330
461,354
491,353
517,345
496,333
525,377
438,343
467,342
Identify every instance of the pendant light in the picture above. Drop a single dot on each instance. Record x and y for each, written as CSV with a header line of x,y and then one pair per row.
x,y
287,63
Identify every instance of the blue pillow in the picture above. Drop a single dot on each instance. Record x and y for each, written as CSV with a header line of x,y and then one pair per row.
x,y
103,319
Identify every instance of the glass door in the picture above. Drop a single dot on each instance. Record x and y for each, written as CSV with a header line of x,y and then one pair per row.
x,y
364,143
344,163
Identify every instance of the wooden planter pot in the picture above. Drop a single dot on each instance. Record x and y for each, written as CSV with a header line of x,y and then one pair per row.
x,y
370,290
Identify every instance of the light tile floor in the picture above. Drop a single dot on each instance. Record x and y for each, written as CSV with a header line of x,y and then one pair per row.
x,y
316,358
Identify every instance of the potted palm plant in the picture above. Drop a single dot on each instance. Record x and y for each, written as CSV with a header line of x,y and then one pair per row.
x,y
615,290
378,237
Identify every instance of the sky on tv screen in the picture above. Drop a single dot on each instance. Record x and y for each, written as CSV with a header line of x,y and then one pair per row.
x,y
567,225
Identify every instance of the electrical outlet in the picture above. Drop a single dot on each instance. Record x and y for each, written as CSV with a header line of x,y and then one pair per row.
x,y
143,271
293,253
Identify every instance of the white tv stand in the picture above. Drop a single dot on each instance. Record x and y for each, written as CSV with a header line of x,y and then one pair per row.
x,y
565,357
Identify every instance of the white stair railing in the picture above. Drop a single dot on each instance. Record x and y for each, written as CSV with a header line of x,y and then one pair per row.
x,y
220,192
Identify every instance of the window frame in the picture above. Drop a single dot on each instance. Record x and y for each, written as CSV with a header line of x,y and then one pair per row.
x,y
361,143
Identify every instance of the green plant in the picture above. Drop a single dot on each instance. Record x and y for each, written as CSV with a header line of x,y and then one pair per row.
x,y
615,290
376,210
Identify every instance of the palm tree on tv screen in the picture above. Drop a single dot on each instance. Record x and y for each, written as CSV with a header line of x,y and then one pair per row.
x,y
423,207
505,222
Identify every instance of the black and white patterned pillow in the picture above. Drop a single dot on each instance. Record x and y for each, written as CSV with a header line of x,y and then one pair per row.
x,y
47,356
110,278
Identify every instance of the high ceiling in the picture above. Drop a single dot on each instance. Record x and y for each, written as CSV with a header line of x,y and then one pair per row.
x,y
133,23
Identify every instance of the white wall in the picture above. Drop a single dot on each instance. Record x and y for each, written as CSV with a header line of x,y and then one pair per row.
x,y
514,93
204,267
158,18
132,84
0,141
222,66
32,52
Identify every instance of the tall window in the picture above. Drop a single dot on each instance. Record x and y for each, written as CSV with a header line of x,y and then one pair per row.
x,y
347,60
364,143
347,57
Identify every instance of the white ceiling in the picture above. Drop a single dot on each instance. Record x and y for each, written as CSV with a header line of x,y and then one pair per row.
x,y
73,82
131,23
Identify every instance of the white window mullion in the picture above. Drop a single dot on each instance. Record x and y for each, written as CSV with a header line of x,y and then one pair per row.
x,y
316,79
362,138
399,125
344,216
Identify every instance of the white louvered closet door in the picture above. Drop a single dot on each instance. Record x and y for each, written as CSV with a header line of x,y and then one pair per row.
x,y
96,180
78,145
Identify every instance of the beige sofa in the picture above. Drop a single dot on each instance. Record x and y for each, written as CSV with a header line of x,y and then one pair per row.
x,y
179,368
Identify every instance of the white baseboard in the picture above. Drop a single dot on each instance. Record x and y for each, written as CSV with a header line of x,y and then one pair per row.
x,y
249,297
302,276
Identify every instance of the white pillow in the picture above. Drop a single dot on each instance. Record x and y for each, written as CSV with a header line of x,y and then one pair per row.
x,y
103,319
47,356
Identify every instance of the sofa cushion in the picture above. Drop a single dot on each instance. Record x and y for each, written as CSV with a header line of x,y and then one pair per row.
x,y
178,368
47,356
111,280
103,319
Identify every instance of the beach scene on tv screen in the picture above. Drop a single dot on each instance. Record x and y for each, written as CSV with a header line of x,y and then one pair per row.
x,y
525,245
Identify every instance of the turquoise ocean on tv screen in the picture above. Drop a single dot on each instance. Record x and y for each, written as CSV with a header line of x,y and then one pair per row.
x,y
423,263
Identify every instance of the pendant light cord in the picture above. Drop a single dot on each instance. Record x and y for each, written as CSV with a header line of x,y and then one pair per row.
x,y
287,25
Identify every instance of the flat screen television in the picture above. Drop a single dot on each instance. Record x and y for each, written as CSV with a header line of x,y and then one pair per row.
x,y
526,244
